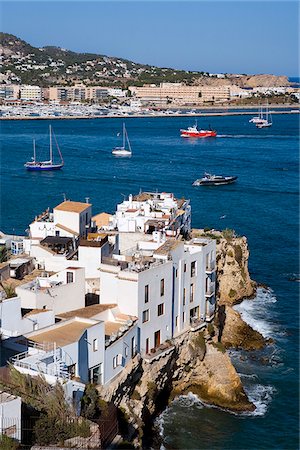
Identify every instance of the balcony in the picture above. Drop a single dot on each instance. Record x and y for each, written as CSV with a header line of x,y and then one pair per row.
x,y
210,290
156,353
210,267
197,323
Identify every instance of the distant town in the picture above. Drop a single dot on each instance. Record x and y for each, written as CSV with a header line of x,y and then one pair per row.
x,y
53,80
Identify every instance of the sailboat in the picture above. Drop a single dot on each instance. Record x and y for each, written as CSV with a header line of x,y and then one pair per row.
x,y
35,165
266,120
258,118
123,151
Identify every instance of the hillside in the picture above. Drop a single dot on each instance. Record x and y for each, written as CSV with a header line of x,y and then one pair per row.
x,y
23,63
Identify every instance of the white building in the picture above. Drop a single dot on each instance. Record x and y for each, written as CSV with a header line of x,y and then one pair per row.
x,y
169,286
28,92
60,292
10,415
69,219
148,212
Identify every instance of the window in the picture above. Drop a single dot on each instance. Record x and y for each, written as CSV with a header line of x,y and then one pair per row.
x,y
176,273
183,317
162,287
70,277
147,293
126,351
160,309
95,345
56,233
192,293
115,361
184,267
146,316
193,269
184,293
176,321
133,347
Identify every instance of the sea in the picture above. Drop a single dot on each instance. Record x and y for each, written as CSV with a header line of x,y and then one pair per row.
x,y
263,205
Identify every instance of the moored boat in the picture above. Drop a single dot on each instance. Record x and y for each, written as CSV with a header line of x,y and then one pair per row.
x,y
214,180
36,165
194,132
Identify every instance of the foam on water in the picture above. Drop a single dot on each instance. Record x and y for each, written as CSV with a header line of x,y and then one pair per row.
x,y
256,312
261,396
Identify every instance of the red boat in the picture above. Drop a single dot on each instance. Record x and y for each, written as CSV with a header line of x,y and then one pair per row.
x,y
193,132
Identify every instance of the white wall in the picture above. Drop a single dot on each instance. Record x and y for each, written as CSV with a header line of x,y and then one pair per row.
x,y
10,416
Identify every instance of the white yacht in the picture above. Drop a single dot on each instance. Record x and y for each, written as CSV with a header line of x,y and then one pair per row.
x,y
123,151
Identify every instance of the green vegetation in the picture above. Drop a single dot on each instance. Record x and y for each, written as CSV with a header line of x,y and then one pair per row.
x,y
228,234
9,290
232,293
238,254
58,420
211,329
3,254
151,390
219,346
7,443
199,342
135,395
92,406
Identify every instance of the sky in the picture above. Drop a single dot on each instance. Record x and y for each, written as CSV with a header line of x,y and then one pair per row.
x,y
214,36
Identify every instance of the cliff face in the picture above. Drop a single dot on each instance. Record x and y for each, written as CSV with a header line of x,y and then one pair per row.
x,y
233,277
195,363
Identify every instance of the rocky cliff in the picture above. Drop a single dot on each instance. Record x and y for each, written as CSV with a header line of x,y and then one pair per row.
x,y
195,361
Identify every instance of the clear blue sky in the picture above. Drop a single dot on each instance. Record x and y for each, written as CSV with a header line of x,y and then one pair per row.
x,y
215,36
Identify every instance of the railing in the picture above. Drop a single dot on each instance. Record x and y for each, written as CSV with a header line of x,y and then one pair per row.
x,y
210,290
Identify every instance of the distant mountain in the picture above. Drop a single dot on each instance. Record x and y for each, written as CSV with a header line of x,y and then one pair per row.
x,y
23,63
54,65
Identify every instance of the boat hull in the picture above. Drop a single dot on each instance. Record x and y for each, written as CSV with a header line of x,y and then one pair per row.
x,y
43,168
228,180
199,134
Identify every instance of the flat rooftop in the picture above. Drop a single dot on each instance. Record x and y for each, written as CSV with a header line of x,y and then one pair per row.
x,y
63,334
70,206
168,246
87,312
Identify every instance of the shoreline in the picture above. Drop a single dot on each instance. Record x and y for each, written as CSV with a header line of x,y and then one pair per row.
x,y
141,116
204,111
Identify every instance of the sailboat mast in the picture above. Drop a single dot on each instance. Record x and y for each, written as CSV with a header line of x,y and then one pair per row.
x,y
123,135
50,131
34,157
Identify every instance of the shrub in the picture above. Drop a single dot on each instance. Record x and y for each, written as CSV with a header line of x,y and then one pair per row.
x,y
210,329
199,342
7,443
135,395
238,254
232,293
230,253
219,346
206,229
151,390
50,430
228,234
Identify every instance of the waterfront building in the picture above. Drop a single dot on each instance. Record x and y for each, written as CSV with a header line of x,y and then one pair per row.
x,y
169,286
28,92
181,94
9,92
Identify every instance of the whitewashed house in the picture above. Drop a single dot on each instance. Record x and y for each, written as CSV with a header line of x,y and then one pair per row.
x,y
60,292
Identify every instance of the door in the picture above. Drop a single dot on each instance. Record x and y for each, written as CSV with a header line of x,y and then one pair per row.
x,y
147,345
157,338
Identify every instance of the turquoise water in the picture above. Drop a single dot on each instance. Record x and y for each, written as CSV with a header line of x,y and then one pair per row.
x,y
263,205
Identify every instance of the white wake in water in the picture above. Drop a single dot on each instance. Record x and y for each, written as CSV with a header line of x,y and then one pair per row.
x,y
261,396
256,312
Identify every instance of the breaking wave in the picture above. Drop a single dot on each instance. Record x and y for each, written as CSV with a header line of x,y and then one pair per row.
x,y
261,396
256,312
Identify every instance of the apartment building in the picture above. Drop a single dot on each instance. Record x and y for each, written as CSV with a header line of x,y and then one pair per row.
x,y
181,94
9,92
28,92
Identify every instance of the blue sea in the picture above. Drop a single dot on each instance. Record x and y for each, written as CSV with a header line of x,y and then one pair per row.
x,y
263,205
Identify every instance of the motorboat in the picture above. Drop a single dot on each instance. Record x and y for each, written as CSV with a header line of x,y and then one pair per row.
x,y
214,180
194,132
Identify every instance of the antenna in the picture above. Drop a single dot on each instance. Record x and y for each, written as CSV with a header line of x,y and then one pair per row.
x,y
64,196
87,199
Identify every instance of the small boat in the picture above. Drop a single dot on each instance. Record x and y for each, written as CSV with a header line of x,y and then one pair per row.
x,y
35,165
259,118
194,132
122,151
214,180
